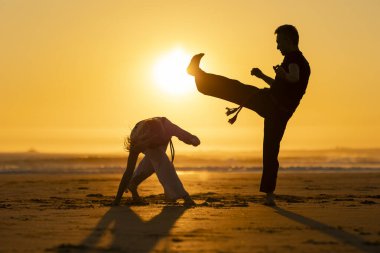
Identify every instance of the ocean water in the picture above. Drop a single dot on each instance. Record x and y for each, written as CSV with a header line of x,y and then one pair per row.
x,y
345,160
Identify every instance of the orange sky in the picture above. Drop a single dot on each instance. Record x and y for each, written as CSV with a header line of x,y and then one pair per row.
x,y
75,76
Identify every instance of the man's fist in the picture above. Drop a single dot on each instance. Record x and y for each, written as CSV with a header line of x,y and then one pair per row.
x,y
280,71
257,72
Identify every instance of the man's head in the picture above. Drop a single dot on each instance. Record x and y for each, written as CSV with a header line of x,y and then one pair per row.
x,y
287,38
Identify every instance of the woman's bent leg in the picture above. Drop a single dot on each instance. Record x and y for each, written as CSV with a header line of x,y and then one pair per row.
x,y
142,172
166,173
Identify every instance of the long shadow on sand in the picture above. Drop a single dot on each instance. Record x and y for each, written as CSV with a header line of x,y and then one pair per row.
x,y
127,231
344,237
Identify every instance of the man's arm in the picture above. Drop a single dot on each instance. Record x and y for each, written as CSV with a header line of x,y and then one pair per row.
x,y
132,159
259,74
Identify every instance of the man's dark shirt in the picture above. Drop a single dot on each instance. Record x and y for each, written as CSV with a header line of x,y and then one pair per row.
x,y
288,95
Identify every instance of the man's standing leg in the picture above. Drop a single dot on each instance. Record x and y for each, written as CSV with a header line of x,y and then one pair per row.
x,y
274,128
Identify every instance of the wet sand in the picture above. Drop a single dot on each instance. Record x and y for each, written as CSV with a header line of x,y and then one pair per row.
x,y
315,212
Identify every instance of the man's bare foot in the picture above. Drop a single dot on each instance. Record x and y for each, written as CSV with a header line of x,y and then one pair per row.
x,y
115,203
193,68
269,200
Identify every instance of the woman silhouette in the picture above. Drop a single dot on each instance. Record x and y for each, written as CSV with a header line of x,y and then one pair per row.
x,y
151,137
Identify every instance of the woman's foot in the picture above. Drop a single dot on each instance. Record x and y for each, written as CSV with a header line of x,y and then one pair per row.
x,y
135,195
138,201
193,68
189,202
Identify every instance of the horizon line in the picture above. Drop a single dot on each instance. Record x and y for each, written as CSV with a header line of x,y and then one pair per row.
x,y
186,152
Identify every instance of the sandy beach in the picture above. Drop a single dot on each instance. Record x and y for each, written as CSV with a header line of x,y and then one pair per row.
x,y
316,212
91,89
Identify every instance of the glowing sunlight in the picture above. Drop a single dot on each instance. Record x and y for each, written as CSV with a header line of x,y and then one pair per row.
x,y
170,75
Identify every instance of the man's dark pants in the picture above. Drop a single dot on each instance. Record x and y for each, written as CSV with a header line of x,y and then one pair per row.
x,y
260,101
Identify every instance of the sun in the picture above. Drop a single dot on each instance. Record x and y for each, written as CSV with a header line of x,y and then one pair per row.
x,y
170,75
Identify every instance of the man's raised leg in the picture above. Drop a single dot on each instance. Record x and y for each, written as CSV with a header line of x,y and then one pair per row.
x,y
224,88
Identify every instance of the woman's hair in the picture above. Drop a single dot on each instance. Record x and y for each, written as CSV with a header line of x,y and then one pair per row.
x,y
127,143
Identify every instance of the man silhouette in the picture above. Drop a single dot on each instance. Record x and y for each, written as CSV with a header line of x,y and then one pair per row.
x,y
275,104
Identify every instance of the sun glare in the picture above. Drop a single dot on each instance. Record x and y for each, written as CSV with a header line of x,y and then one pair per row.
x,y
170,73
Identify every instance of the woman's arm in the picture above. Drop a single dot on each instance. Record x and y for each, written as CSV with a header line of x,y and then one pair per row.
x,y
186,137
132,159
